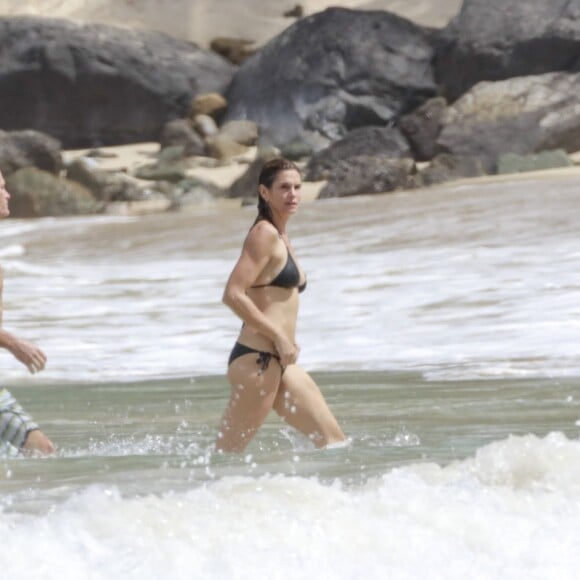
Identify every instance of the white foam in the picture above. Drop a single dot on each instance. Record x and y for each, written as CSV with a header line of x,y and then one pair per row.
x,y
12,250
511,511
420,282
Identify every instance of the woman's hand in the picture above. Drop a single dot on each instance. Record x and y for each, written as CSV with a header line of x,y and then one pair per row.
x,y
287,350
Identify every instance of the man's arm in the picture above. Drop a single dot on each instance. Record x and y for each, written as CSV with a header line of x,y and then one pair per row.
x,y
26,352
1,290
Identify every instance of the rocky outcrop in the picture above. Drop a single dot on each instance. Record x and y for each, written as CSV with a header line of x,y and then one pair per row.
x,y
367,175
103,185
422,126
369,141
192,192
180,132
246,186
37,193
96,85
495,40
332,72
29,148
521,115
163,170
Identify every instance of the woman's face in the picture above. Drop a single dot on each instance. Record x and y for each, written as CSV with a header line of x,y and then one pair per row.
x,y
4,197
285,193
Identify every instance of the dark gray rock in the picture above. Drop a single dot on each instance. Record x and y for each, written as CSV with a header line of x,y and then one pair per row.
x,y
37,193
367,175
179,132
370,141
522,115
422,127
297,150
171,154
20,149
192,192
447,167
332,72
246,186
163,171
104,185
98,85
499,39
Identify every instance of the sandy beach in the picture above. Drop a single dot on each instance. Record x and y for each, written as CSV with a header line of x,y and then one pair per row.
x,y
202,20
127,158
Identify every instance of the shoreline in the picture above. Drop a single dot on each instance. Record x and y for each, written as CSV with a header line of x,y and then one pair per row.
x,y
126,158
544,174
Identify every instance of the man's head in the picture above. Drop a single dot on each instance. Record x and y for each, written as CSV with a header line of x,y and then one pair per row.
x,y
4,197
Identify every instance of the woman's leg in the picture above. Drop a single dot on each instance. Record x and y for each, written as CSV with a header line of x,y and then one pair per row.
x,y
301,404
252,396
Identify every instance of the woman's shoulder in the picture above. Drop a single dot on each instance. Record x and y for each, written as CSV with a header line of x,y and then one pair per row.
x,y
262,238
263,231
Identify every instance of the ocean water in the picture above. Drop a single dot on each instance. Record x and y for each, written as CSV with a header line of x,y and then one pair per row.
x,y
442,326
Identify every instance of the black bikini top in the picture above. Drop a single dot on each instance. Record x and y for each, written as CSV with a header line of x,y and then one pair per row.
x,y
289,276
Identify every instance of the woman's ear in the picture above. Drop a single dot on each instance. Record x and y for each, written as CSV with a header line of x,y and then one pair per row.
x,y
263,191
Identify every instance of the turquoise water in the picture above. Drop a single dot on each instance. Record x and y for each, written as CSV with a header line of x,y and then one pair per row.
x,y
153,436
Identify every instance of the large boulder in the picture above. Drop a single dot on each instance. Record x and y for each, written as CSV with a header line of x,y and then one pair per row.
x,y
180,132
232,140
37,193
421,127
370,174
521,115
97,85
384,141
499,39
105,186
246,186
332,72
20,149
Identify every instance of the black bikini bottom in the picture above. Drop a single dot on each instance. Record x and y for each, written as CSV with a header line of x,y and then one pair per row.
x,y
264,357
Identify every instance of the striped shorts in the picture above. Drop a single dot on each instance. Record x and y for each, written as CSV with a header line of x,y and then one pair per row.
x,y
15,423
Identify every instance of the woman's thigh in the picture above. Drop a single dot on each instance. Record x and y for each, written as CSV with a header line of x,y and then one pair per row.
x,y
252,396
301,404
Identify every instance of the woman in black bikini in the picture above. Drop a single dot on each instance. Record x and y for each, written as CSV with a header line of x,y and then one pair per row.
x,y
263,291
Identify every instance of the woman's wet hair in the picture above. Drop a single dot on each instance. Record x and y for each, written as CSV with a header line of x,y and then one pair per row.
x,y
267,177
